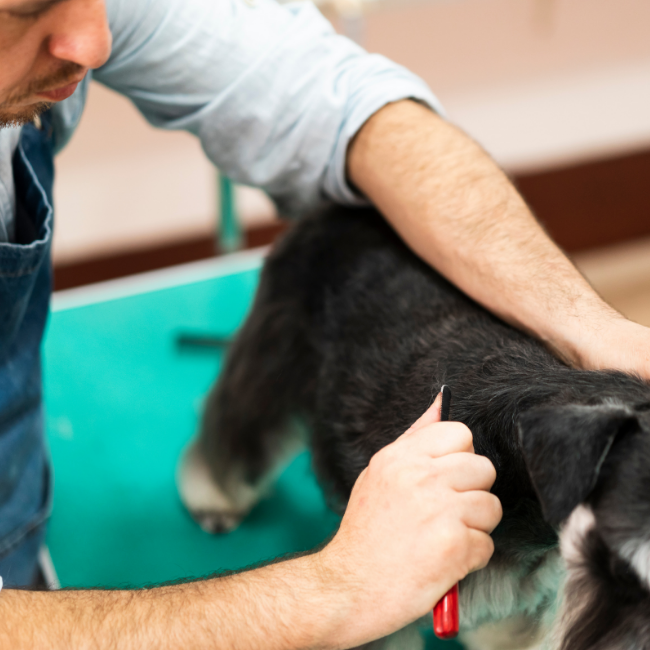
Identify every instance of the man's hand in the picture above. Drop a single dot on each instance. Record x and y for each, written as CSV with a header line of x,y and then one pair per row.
x,y
612,343
459,212
417,522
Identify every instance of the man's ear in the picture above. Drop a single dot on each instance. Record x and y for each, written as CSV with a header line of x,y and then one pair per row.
x,y
564,449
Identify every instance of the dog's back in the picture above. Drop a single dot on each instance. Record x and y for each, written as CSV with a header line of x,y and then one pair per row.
x,y
386,332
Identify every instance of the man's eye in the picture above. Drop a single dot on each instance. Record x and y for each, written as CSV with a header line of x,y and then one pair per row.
x,y
34,13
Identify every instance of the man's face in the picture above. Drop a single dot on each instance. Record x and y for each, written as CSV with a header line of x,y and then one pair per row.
x,y
46,49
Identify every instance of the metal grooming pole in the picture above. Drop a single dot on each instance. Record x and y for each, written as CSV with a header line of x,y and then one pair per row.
x,y
229,237
229,234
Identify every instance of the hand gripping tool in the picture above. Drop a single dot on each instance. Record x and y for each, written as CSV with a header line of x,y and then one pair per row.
x,y
445,613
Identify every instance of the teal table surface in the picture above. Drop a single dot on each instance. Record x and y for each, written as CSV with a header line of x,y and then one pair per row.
x,y
122,400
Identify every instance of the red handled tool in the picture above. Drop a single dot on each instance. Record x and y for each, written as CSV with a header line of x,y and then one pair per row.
x,y
445,613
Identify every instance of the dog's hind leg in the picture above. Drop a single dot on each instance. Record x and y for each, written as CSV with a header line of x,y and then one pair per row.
x,y
247,428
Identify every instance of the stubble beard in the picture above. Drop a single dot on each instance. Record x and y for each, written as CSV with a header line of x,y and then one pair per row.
x,y
12,114
24,116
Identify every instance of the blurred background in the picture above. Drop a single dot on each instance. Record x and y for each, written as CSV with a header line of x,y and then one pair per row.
x,y
558,91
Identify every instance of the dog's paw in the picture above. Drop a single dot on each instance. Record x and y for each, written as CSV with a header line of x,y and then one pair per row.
x,y
216,522
214,509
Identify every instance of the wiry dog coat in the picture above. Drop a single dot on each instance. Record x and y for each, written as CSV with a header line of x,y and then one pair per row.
x,y
355,335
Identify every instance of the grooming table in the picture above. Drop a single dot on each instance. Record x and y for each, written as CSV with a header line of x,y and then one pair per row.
x,y
122,401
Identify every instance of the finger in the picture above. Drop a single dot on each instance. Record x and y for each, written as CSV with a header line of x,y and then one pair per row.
x,y
441,438
481,548
479,510
432,414
464,471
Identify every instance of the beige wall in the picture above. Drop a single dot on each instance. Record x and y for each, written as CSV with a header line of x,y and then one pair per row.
x,y
539,82
121,184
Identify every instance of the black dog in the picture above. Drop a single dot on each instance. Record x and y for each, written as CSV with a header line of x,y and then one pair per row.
x,y
353,334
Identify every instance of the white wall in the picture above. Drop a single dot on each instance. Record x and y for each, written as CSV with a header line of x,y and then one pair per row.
x,y
539,82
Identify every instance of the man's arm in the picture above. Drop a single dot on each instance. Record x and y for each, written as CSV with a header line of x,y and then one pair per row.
x,y
274,607
459,212
416,523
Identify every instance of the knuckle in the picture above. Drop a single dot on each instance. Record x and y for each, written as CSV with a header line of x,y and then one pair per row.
x,y
466,462
463,435
488,468
482,553
491,505
497,507
488,548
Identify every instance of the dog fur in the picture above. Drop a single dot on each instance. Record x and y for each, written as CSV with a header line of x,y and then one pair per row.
x,y
354,335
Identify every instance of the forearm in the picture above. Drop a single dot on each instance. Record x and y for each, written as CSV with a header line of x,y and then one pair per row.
x,y
280,606
426,490
459,212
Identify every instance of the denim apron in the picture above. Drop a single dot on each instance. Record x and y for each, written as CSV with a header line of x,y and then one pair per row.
x,y
25,288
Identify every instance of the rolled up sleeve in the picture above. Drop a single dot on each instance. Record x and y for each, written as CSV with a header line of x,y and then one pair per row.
x,y
274,94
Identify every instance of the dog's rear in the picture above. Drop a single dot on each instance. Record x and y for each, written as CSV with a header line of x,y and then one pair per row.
x,y
352,335
267,393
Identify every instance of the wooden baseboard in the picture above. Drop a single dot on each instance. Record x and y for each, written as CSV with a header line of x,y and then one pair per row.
x,y
108,267
593,204
584,206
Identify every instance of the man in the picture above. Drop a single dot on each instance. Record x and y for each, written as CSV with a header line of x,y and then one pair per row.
x,y
278,101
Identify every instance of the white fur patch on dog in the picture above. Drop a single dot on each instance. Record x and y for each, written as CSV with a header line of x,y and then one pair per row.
x,y
497,593
516,633
637,553
573,533
510,607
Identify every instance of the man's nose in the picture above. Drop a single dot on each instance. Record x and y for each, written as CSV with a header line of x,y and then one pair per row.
x,y
80,33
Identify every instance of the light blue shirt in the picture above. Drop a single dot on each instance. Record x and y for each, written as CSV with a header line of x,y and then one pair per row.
x,y
273,93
